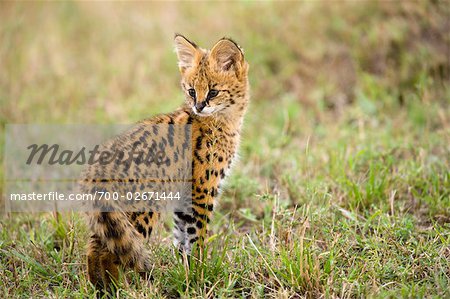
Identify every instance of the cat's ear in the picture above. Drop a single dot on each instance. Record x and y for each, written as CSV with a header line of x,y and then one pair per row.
x,y
186,52
227,55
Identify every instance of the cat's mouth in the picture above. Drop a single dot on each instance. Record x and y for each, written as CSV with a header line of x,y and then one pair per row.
x,y
207,111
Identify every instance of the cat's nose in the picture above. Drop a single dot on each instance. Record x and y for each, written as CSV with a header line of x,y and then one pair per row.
x,y
200,105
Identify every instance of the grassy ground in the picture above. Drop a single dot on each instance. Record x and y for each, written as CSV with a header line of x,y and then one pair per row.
x,y
343,189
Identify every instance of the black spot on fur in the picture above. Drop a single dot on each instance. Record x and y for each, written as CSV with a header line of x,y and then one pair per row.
x,y
198,143
186,217
170,137
141,230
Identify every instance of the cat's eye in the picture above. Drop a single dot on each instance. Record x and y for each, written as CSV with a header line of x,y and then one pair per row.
x,y
191,92
212,93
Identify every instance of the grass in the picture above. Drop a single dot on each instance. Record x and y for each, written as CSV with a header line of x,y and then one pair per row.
x,y
343,188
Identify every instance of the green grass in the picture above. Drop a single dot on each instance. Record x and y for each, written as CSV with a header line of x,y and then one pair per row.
x,y
343,186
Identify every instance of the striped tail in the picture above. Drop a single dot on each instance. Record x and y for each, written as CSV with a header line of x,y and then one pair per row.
x,y
120,238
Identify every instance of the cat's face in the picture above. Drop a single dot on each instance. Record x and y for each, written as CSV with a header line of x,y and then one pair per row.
x,y
215,81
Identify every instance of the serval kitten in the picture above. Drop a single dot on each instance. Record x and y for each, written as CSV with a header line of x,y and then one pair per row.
x,y
216,88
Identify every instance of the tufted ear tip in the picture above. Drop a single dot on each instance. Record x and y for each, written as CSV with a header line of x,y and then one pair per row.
x,y
186,51
180,37
229,39
227,55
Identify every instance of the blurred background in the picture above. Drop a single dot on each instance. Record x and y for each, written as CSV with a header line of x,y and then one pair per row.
x,y
320,71
349,112
114,62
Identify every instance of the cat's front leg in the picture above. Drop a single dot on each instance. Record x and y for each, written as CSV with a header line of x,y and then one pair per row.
x,y
179,230
191,227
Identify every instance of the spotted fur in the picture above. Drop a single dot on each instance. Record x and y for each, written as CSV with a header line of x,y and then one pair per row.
x,y
216,89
